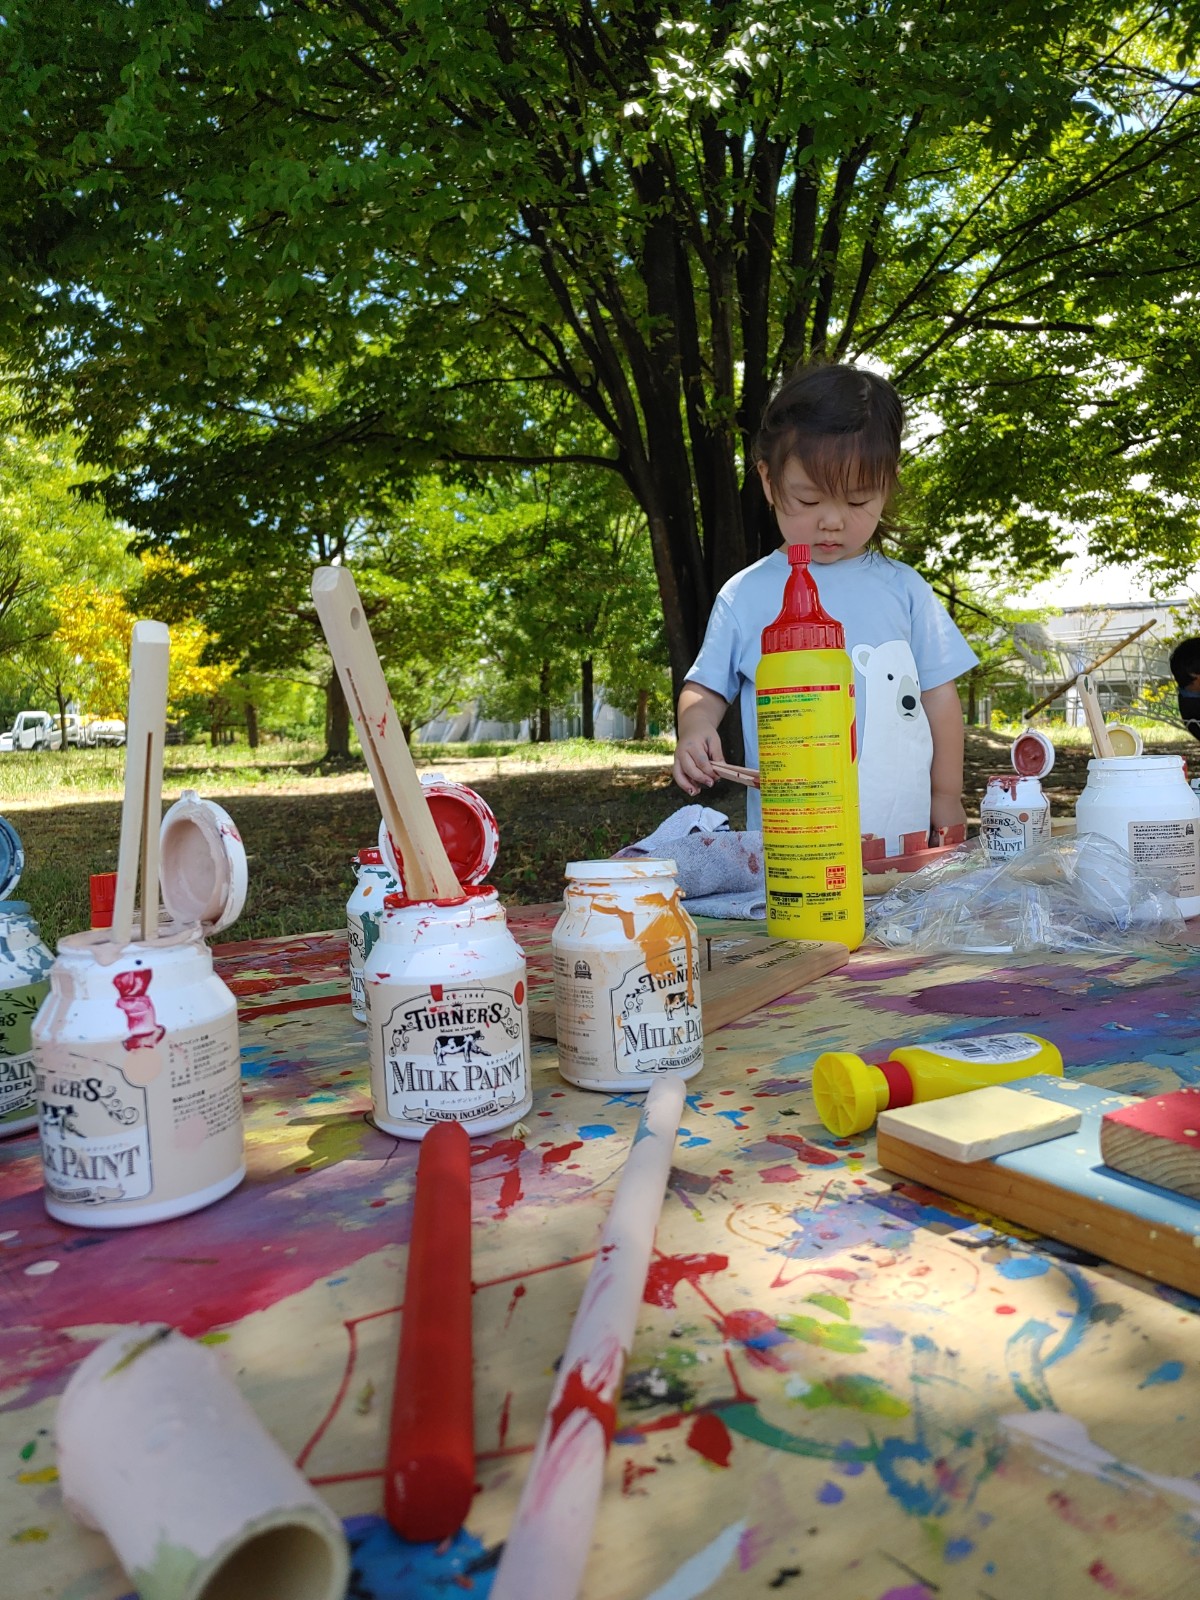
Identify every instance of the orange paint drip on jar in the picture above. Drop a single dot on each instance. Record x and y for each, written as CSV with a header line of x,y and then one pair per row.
x,y
626,977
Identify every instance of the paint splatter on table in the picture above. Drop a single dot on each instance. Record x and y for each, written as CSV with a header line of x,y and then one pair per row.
x,y
841,1383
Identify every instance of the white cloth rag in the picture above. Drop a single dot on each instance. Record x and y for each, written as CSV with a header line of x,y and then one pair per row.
x,y
719,871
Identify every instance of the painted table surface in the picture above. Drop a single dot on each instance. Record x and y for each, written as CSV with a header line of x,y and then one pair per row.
x,y
841,1384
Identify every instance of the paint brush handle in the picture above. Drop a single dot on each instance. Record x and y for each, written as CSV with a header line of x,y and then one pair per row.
x,y
426,867
141,809
746,775
1101,744
430,1474
547,1546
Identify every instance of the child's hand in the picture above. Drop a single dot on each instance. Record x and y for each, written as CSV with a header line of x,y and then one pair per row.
x,y
946,811
694,755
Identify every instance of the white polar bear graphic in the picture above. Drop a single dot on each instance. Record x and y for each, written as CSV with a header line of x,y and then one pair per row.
x,y
896,748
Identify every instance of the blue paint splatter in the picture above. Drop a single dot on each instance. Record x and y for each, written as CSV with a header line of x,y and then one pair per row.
x,y
596,1130
691,1140
1023,1267
734,1117
829,1494
1169,1372
912,1494
385,1565
332,1283
958,1549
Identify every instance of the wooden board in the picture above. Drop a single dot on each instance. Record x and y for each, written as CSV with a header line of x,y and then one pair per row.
x,y
978,1124
1064,1190
1157,1140
737,976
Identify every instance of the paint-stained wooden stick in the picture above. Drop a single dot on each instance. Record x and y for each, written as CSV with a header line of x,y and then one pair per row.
x,y
547,1547
1101,744
430,1475
141,809
426,867
745,775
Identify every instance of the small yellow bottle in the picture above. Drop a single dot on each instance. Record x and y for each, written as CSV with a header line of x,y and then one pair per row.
x,y
850,1093
808,759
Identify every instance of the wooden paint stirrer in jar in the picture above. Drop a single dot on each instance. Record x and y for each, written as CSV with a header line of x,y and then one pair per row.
x,y
141,809
425,865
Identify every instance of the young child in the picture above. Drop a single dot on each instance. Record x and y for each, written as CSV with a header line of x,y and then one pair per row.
x,y
828,453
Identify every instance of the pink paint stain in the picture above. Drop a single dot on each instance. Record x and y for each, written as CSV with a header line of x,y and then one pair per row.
x,y
668,1272
630,1474
132,999
502,1426
1107,1579
709,1437
781,1174
812,1153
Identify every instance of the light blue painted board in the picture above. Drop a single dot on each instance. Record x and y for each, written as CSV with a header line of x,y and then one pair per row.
x,y
1073,1162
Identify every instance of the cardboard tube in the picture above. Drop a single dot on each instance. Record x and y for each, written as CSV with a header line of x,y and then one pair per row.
x,y
159,1451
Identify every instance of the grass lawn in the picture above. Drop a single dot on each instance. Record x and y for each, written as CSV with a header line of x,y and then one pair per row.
x,y
301,825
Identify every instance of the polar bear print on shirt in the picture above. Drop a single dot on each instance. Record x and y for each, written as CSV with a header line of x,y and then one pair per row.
x,y
896,744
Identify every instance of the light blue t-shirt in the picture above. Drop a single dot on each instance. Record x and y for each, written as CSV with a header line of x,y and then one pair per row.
x,y
901,640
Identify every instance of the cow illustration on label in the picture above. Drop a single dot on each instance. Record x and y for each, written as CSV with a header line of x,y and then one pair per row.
x,y
656,1017
453,1054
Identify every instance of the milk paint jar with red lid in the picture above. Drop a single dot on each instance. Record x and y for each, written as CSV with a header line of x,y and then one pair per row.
x,y
626,977
138,1067
1015,813
364,908
448,1021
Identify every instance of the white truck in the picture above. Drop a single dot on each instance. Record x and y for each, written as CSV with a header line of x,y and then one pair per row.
x,y
30,731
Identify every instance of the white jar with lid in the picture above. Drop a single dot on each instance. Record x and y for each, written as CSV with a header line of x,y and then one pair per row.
x,y
1015,813
626,977
374,880
448,1028
1145,804
136,1050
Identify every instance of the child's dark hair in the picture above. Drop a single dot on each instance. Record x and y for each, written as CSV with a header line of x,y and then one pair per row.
x,y
1185,662
842,423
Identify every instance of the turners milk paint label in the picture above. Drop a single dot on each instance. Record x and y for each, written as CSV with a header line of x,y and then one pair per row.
x,y
18,1007
147,1117
452,1052
616,1015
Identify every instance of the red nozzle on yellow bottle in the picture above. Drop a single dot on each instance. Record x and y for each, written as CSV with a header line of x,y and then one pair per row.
x,y
850,1092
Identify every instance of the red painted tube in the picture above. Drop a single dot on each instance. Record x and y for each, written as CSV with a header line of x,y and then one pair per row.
x,y
430,1475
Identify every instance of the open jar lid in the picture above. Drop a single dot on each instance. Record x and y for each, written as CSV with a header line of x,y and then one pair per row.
x,y
466,825
202,864
1032,754
12,859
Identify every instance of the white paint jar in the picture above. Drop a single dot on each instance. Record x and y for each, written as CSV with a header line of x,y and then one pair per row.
x,y
1145,804
448,1022
1015,814
158,1450
363,911
24,983
138,1068
626,977
138,1081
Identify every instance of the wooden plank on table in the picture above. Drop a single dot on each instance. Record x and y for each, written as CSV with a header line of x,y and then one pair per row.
x,y
1064,1190
750,973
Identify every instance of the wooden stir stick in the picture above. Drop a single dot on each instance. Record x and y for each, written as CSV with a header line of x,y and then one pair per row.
x,y
428,874
1101,744
141,809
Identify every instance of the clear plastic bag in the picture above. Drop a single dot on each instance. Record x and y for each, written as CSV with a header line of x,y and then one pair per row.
x,y
1079,893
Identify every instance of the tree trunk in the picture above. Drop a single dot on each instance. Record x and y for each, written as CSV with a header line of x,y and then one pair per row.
x,y
62,716
250,712
544,704
972,701
337,721
589,700
641,721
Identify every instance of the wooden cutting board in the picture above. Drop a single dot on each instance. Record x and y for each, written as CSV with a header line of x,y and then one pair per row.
x,y
737,976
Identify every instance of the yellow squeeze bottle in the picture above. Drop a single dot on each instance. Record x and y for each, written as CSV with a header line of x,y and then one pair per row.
x,y
850,1094
808,760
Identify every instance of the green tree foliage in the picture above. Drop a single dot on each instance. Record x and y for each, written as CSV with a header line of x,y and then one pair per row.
x,y
650,211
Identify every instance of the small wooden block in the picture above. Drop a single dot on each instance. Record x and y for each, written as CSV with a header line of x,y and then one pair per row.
x,y
1157,1140
979,1124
